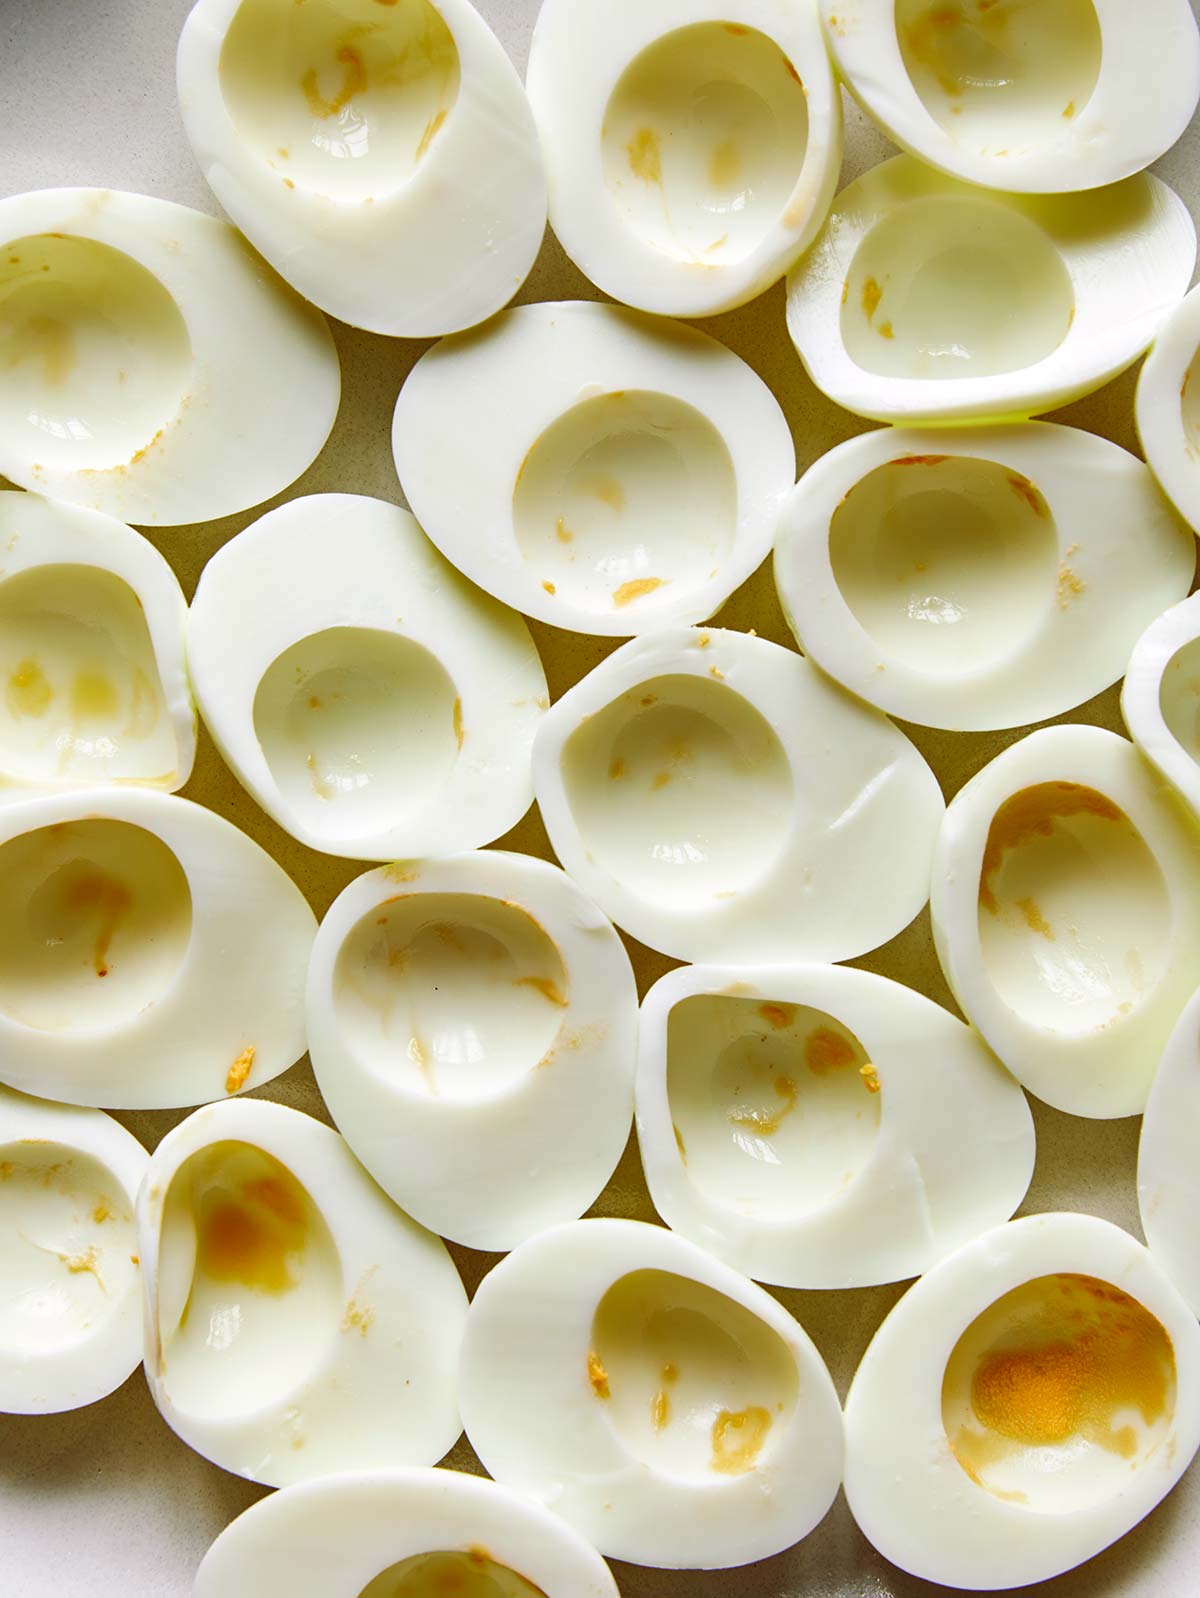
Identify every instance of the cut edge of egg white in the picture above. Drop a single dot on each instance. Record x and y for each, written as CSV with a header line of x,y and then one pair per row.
x,y
380,153
1160,699
1167,408
297,1324
472,1023
602,470
377,706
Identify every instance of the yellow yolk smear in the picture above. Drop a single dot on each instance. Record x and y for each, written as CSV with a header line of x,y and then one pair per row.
x,y
252,1238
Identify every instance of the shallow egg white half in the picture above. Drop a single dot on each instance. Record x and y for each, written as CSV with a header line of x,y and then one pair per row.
x,y
401,1534
472,1022
1160,699
925,299
602,470
982,578
1046,97
721,799
1024,1405
822,1127
297,1323
70,1299
380,153
151,955
691,149
377,705
662,1404
92,656
1066,915
156,369
1168,1184
1168,408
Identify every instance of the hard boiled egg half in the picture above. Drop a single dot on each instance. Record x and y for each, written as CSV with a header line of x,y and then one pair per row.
x,y
297,1323
380,153
472,1022
601,470
401,1534
1168,407
977,578
1161,697
927,299
1066,915
92,662
378,705
1041,98
70,1299
721,799
151,955
691,152
1025,1404
663,1405
1167,1178
155,368
818,1126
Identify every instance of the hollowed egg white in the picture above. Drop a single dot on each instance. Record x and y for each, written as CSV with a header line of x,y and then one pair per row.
x,y
1024,1405
472,1022
980,578
151,955
297,1323
1167,1178
1066,915
377,705
822,1127
401,1534
1034,96
601,470
93,676
1161,697
70,1300
927,299
155,367
691,150
666,1407
1168,408
380,153
721,799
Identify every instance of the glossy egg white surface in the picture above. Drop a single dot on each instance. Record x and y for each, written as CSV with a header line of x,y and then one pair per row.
x,y
1168,407
662,1404
151,955
297,1323
1025,1404
822,1127
977,579
1168,1187
1041,97
692,149
92,655
70,1299
401,1534
721,799
380,153
602,470
472,1023
377,705
1160,699
158,370
1066,915
925,299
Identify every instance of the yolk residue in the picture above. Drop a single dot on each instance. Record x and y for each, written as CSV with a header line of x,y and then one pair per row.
x,y
1031,814
252,1238
737,1439
826,1050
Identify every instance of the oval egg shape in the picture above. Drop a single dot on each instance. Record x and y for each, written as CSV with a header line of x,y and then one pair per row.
x,y
977,580
1066,915
927,299
614,1371
297,1323
151,955
1024,1405
690,159
1159,699
354,142
1166,1175
1036,99
598,469
157,370
822,1127
384,708
70,1299
473,1020
1168,408
401,1534
720,799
